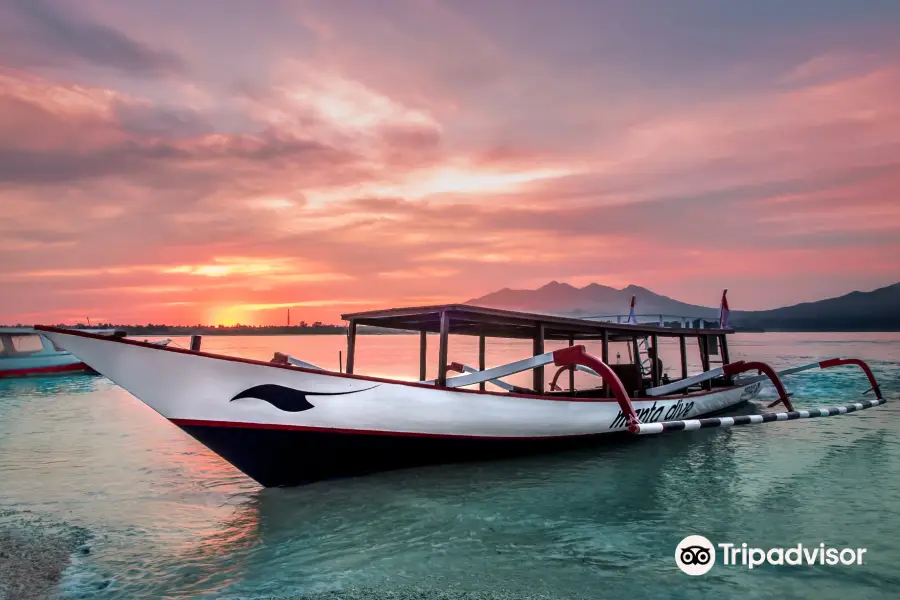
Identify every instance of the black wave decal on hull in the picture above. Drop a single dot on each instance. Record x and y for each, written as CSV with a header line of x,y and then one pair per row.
x,y
285,398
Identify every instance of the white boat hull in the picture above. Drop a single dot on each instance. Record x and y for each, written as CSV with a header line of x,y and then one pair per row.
x,y
285,425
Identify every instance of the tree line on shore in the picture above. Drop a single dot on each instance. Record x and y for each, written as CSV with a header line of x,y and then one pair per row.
x,y
302,328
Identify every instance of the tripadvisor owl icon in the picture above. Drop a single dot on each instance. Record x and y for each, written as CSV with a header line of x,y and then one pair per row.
x,y
695,555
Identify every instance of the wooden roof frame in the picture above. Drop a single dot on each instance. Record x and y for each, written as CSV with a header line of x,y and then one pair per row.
x,y
467,319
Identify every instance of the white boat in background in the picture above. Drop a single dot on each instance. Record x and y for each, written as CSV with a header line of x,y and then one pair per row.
x,y
287,422
24,352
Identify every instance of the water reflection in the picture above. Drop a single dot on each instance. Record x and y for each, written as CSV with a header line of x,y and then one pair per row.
x,y
587,507
25,387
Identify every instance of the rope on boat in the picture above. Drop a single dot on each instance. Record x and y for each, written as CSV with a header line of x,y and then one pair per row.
x,y
691,424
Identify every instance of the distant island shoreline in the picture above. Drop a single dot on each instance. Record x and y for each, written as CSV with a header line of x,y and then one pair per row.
x,y
179,331
343,331
233,330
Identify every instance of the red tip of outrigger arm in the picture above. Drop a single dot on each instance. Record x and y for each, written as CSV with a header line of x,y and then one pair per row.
x,y
837,362
742,366
576,355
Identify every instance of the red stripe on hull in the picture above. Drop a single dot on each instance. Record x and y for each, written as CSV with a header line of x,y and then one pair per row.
x,y
75,367
280,427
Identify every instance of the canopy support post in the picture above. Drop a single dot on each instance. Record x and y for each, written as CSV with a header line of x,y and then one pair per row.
x,y
572,369
423,355
723,342
683,346
351,346
604,356
481,362
704,358
636,359
538,349
654,362
442,348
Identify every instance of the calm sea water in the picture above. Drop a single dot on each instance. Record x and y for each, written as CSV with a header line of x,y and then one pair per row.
x,y
167,518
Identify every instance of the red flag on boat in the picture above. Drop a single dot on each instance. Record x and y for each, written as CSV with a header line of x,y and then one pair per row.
x,y
723,311
632,320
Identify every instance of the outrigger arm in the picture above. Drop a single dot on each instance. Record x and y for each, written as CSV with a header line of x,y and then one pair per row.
x,y
474,376
782,373
712,374
767,373
302,363
691,424
460,368
733,369
287,359
684,383
573,356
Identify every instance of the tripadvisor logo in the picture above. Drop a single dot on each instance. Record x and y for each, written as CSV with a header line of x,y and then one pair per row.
x,y
696,555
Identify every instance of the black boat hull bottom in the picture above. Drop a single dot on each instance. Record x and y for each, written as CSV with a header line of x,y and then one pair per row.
x,y
288,457
277,457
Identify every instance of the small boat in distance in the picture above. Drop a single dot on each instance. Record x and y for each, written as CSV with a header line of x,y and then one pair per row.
x,y
24,352
290,422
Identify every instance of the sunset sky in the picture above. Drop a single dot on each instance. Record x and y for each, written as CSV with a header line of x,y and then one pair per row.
x,y
218,161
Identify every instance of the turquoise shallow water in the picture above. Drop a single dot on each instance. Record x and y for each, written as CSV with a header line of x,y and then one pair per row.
x,y
166,518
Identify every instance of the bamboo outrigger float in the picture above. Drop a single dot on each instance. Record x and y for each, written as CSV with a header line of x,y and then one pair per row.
x,y
289,422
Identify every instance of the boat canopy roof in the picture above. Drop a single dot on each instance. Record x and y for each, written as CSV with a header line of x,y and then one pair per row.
x,y
33,331
466,319
18,330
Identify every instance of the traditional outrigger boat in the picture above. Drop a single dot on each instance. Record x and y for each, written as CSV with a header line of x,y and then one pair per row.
x,y
288,422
